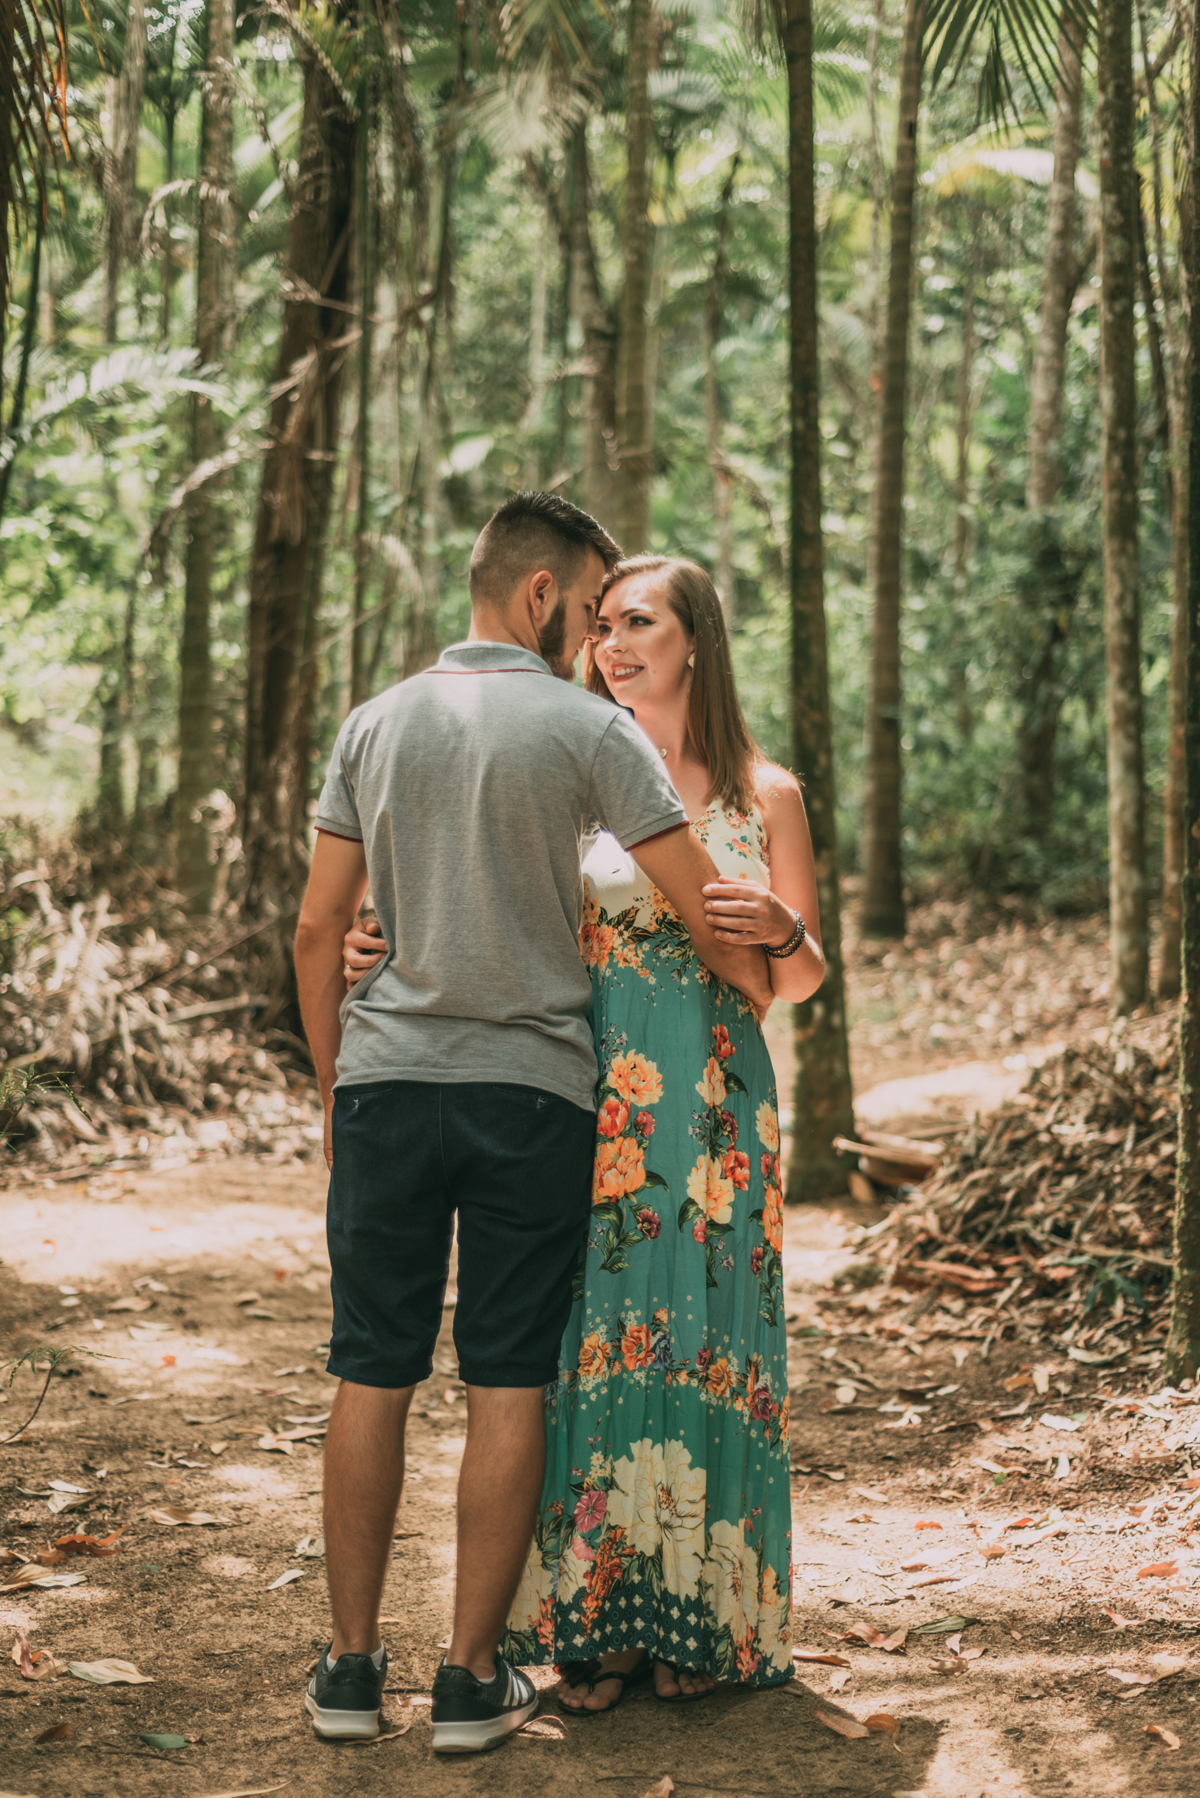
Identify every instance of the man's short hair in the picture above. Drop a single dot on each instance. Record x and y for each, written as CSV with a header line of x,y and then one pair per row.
x,y
532,531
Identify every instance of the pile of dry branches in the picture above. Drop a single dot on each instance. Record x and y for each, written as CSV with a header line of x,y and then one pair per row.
x,y
117,1039
1056,1210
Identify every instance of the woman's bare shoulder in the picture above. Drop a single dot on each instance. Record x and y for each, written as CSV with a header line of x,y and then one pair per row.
x,y
776,791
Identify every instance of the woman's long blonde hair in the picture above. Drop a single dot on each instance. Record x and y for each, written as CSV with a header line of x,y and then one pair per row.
x,y
716,726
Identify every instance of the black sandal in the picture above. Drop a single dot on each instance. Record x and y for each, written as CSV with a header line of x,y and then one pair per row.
x,y
590,1674
681,1697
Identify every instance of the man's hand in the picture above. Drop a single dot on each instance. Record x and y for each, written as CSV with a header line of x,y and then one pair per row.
x,y
745,912
337,884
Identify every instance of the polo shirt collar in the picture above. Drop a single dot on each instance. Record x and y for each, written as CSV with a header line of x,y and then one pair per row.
x,y
489,658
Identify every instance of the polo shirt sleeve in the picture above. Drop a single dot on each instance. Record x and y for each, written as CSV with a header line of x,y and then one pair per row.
x,y
632,795
337,810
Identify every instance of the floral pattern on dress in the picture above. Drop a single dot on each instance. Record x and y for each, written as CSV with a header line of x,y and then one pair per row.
x,y
666,1512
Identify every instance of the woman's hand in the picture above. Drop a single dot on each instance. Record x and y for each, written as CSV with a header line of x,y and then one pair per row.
x,y
362,946
746,912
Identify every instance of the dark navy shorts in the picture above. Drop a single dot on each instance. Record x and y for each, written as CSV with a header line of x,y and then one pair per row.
x,y
515,1163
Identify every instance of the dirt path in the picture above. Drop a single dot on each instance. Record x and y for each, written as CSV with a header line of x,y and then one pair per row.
x,y
207,1364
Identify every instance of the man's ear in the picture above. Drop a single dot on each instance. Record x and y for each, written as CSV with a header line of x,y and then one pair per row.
x,y
541,595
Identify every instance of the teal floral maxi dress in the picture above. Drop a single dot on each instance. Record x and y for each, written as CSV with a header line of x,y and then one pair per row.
x,y
666,1513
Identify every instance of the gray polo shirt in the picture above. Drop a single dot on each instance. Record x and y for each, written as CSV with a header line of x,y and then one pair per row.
x,y
472,788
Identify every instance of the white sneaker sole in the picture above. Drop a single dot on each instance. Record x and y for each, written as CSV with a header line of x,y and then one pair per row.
x,y
342,1726
474,1738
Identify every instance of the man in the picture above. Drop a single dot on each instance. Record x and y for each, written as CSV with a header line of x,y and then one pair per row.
x,y
459,1077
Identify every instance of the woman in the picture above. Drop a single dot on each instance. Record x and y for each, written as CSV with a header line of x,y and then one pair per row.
x,y
662,1547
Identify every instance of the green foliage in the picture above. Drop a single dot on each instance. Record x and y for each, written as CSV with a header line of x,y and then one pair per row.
x,y
89,587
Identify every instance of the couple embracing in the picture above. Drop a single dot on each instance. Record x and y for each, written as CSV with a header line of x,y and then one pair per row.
x,y
588,899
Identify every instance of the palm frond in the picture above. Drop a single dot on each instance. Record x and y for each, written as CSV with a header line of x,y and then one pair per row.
x,y
562,27
1020,32
115,380
33,109
329,37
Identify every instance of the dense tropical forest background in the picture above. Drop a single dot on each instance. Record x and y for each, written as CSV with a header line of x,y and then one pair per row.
x,y
881,314
485,250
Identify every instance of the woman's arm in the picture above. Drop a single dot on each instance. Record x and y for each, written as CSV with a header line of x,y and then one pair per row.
x,y
745,911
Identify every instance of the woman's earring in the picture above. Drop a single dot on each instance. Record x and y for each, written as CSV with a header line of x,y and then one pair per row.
x,y
692,659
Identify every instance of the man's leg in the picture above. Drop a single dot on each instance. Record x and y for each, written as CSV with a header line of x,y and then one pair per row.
x,y
364,1472
498,1490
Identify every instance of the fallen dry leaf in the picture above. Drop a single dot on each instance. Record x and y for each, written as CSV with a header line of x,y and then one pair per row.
x,y
57,1732
1124,1622
1166,1664
1127,1678
110,1673
885,1723
992,1551
131,1305
1158,1570
1054,1422
35,1663
249,1791
1166,1736
33,1574
837,1681
545,1727
285,1579
662,1788
390,1736
943,1626
90,1545
815,1654
69,1501
177,1514
849,1727
875,1638
280,1445
927,1523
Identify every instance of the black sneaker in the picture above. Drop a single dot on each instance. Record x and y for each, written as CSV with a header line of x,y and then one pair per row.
x,y
344,1702
470,1714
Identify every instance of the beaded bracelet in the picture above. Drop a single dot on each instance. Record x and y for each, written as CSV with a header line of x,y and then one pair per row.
x,y
793,943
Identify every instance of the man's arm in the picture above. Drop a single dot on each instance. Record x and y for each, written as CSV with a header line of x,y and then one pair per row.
x,y
680,867
337,883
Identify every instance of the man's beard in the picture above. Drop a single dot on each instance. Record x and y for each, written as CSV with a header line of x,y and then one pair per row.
x,y
552,640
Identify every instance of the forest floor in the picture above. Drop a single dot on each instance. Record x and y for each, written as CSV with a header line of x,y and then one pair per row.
x,y
1010,1675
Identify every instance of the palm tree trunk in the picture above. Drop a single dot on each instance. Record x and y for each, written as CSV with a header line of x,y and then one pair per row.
x,y
1048,597
822,1106
883,875
16,416
1183,1342
359,654
1128,917
1170,970
714,324
120,162
635,453
598,401
1060,279
296,485
1178,378
216,270
966,371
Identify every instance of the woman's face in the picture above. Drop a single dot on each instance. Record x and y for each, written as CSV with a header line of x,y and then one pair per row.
x,y
641,648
